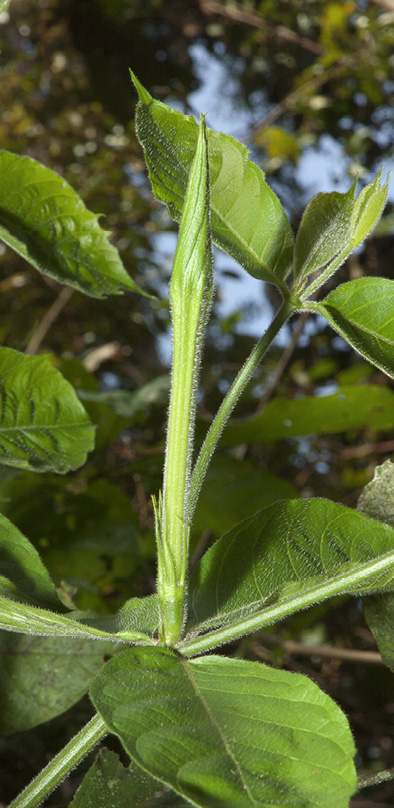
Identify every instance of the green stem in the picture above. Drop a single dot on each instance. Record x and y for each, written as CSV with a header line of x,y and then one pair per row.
x,y
230,400
346,583
60,766
191,295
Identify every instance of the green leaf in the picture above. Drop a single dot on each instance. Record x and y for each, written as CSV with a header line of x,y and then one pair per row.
x,y
377,501
137,614
51,674
130,404
226,732
276,562
377,498
324,232
233,490
4,5
332,226
109,783
43,426
20,562
44,220
247,219
26,619
362,313
351,407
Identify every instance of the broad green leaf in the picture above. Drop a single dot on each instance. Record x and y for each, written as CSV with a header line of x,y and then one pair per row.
x,y
20,562
44,220
247,220
362,313
226,733
26,619
43,426
332,226
233,490
351,407
377,500
4,5
108,782
41,677
277,561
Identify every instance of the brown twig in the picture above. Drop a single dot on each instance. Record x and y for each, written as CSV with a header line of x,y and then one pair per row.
x,y
48,319
322,651
238,14
376,779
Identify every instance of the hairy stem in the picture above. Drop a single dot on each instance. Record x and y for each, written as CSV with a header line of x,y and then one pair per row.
x,y
229,402
61,765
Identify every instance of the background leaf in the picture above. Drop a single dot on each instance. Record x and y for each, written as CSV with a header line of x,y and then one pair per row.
x,y
377,500
44,220
233,490
351,407
247,219
200,726
281,552
362,313
43,426
41,677
108,782
21,563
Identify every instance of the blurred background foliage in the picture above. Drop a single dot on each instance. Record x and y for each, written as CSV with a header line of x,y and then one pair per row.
x,y
308,85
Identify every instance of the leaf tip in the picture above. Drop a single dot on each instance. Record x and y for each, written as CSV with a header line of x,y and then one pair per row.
x,y
143,94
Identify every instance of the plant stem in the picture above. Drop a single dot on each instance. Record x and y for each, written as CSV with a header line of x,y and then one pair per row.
x,y
60,766
191,295
230,400
375,779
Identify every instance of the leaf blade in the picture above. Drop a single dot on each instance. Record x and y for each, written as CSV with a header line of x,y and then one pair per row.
x,y
21,563
351,407
239,194
361,312
248,575
45,221
108,783
193,724
52,674
43,426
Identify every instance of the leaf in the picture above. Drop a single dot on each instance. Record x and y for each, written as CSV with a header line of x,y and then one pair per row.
x,y
362,313
247,219
377,500
44,220
332,226
128,404
324,232
20,562
226,732
351,407
4,5
233,490
277,561
109,783
21,617
43,426
137,614
41,677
